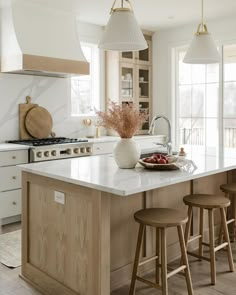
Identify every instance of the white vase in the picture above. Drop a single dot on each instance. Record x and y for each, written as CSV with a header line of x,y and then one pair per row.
x,y
127,153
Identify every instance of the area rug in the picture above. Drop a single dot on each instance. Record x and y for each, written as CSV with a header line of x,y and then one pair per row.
x,y
10,249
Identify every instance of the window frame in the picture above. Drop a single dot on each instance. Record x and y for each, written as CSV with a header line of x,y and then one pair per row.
x,y
101,82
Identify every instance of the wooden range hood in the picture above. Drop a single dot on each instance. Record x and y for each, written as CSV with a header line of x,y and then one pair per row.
x,y
40,41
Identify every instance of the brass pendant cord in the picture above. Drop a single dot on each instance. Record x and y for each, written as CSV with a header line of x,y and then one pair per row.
x,y
122,5
202,28
202,17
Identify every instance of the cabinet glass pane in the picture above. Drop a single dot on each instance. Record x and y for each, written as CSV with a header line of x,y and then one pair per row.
x,y
144,55
128,54
127,82
144,108
144,83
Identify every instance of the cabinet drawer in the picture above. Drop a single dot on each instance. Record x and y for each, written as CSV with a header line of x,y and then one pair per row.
x,y
11,158
10,203
103,148
10,178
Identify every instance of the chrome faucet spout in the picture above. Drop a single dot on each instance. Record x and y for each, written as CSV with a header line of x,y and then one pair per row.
x,y
168,143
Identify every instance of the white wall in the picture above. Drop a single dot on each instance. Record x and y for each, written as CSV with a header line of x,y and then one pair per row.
x,y
223,31
51,93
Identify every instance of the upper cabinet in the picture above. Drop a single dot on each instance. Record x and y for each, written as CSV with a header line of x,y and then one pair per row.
x,y
129,79
139,57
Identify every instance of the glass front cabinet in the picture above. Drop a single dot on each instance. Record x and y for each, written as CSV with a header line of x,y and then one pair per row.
x,y
129,79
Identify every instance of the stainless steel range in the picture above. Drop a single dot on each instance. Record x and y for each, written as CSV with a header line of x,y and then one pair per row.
x,y
56,148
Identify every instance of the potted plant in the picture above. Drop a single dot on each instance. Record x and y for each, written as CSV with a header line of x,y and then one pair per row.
x,y
125,119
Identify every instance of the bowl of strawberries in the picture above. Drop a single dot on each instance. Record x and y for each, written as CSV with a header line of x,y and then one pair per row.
x,y
159,162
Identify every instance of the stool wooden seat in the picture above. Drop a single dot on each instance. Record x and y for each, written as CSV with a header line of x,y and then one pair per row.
x,y
230,193
206,201
229,188
210,203
161,219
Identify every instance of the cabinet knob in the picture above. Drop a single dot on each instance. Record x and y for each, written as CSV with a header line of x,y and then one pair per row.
x,y
13,177
13,157
13,203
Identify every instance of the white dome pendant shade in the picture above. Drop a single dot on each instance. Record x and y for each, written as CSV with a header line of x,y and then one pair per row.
x,y
202,49
122,32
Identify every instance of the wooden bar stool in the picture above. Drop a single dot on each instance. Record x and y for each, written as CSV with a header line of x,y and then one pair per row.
x,y
210,203
230,193
161,219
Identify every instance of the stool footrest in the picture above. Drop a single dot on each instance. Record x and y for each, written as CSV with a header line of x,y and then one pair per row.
x,y
230,221
193,238
221,246
198,256
148,260
205,244
154,285
175,271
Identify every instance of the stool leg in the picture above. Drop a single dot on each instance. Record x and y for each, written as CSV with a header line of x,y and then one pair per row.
x,y
187,229
136,260
226,235
201,232
163,263
185,260
158,253
212,246
220,240
234,215
188,225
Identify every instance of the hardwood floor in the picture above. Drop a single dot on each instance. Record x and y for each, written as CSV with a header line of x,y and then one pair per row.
x,y
11,284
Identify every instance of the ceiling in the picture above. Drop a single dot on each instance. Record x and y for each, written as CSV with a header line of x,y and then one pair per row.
x,y
151,14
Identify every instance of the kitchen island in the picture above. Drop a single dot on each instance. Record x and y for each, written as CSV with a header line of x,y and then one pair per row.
x,y
79,235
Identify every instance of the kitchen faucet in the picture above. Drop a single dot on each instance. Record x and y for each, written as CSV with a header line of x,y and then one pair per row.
x,y
168,144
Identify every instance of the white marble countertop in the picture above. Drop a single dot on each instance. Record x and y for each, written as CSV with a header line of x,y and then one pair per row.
x,y
102,173
4,147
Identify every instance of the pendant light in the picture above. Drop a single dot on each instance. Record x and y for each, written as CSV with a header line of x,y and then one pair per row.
x,y
203,49
122,32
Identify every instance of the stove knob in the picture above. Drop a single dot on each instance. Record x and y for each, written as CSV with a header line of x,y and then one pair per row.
x,y
39,154
88,149
76,151
68,151
46,154
82,150
54,153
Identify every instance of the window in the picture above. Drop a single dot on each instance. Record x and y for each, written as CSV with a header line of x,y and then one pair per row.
x,y
197,104
229,96
85,92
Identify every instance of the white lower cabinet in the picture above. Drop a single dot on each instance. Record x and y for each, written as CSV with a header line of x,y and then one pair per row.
x,y
103,148
10,203
10,178
10,184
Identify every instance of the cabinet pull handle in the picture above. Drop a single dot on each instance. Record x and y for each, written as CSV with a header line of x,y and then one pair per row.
x,y
13,177
13,203
13,157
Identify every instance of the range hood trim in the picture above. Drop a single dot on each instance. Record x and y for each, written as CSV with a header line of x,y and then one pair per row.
x,y
42,65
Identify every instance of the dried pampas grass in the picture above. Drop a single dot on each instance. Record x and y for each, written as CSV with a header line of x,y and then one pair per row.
x,y
125,119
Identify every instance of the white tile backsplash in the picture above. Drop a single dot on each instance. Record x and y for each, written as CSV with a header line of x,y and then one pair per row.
x,y
50,93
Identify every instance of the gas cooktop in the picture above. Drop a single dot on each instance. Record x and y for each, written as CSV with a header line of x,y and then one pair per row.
x,y
47,141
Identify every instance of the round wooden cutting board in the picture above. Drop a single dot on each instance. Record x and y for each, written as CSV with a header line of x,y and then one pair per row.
x,y
38,122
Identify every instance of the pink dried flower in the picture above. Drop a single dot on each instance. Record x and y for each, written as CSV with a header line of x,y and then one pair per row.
x,y
125,119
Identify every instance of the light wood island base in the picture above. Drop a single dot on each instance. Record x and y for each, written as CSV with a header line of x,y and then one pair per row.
x,y
87,245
